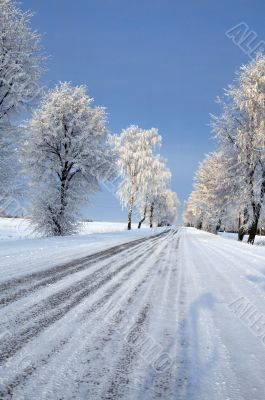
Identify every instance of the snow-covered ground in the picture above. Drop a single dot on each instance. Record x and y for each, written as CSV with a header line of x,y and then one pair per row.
x,y
22,251
259,240
175,316
20,228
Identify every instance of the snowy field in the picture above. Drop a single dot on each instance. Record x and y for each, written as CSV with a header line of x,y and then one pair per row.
x,y
259,240
174,316
20,228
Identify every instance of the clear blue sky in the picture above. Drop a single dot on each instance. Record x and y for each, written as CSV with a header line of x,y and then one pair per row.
x,y
155,63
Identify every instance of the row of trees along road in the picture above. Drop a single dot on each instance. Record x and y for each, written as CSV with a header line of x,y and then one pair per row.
x,y
64,150
145,177
229,185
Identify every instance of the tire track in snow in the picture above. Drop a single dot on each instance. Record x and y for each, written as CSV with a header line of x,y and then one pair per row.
x,y
21,311
44,278
104,336
55,307
122,318
96,307
132,353
171,306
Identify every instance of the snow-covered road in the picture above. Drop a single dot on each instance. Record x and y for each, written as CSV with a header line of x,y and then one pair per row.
x,y
174,316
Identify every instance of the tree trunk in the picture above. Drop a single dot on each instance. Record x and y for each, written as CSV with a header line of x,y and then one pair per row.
x,y
241,227
199,225
63,203
254,225
256,207
151,215
218,226
252,232
241,234
130,213
143,219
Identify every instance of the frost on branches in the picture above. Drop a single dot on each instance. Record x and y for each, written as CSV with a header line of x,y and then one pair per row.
x,y
134,149
67,154
144,177
155,182
214,194
20,70
165,206
240,185
20,60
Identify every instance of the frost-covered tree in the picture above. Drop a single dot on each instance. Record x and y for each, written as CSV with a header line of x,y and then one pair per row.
x,y
20,70
155,180
165,212
66,154
214,199
134,149
236,190
165,208
194,210
215,190
187,215
241,131
20,60
172,204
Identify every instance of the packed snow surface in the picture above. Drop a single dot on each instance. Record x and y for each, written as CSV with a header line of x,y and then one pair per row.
x,y
172,314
